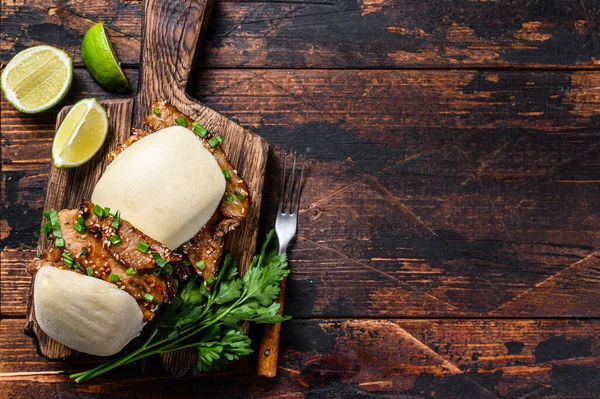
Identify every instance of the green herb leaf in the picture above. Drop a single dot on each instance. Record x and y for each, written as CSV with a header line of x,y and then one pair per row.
x,y
116,220
46,228
143,246
80,224
99,211
52,216
210,320
199,129
158,259
213,142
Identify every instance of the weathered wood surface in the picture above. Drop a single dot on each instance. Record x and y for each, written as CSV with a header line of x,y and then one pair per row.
x,y
452,205
516,152
337,33
356,358
167,55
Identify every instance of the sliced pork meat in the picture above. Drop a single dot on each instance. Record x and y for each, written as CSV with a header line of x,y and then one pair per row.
x,y
87,251
126,238
205,248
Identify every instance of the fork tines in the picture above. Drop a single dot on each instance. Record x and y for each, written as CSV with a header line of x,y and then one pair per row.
x,y
290,186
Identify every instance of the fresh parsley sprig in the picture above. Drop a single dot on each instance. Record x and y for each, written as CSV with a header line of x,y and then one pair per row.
x,y
210,321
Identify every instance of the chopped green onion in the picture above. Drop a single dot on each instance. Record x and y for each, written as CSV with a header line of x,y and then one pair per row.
x,y
46,228
241,175
130,272
52,215
168,269
238,195
78,265
213,141
114,278
158,259
116,220
143,246
210,280
89,271
60,243
181,122
176,283
199,129
114,240
156,271
84,251
68,262
186,262
80,224
66,255
201,265
148,297
219,139
106,211
228,198
226,173
156,111
99,211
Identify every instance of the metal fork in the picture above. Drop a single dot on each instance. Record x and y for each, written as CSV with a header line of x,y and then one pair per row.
x,y
287,219
285,228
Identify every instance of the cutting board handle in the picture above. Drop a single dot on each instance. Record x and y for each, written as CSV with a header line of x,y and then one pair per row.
x,y
171,29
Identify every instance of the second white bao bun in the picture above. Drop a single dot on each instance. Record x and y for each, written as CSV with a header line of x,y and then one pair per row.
x,y
85,313
166,184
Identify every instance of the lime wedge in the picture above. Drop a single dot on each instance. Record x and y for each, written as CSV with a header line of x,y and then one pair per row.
x,y
80,135
37,78
100,59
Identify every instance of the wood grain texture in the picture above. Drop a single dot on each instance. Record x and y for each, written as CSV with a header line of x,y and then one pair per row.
x,y
452,204
66,188
355,358
337,33
171,30
451,185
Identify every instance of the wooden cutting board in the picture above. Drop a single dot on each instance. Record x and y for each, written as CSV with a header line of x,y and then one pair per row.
x,y
170,33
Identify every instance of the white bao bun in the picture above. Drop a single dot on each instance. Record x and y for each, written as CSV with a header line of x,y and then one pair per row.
x,y
166,184
85,313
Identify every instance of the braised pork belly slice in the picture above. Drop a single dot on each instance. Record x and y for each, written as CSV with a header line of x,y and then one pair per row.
x,y
204,250
124,247
87,251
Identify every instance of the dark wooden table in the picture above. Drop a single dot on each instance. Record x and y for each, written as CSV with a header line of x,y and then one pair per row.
x,y
449,238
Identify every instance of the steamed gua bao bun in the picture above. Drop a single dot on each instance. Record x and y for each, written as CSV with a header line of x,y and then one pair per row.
x,y
167,185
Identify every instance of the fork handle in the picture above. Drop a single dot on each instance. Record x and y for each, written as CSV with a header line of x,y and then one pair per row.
x,y
266,364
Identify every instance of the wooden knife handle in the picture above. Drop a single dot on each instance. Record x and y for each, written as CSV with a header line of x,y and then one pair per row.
x,y
266,364
170,31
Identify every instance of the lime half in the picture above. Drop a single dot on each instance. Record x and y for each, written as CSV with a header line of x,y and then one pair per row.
x,y
37,78
80,135
100,59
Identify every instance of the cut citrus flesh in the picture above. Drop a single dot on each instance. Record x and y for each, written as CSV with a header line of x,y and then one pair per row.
x,y
37,78
100,59
80,135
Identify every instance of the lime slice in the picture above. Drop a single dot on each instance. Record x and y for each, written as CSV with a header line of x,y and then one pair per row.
x,y
80,135
37,78
99,58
